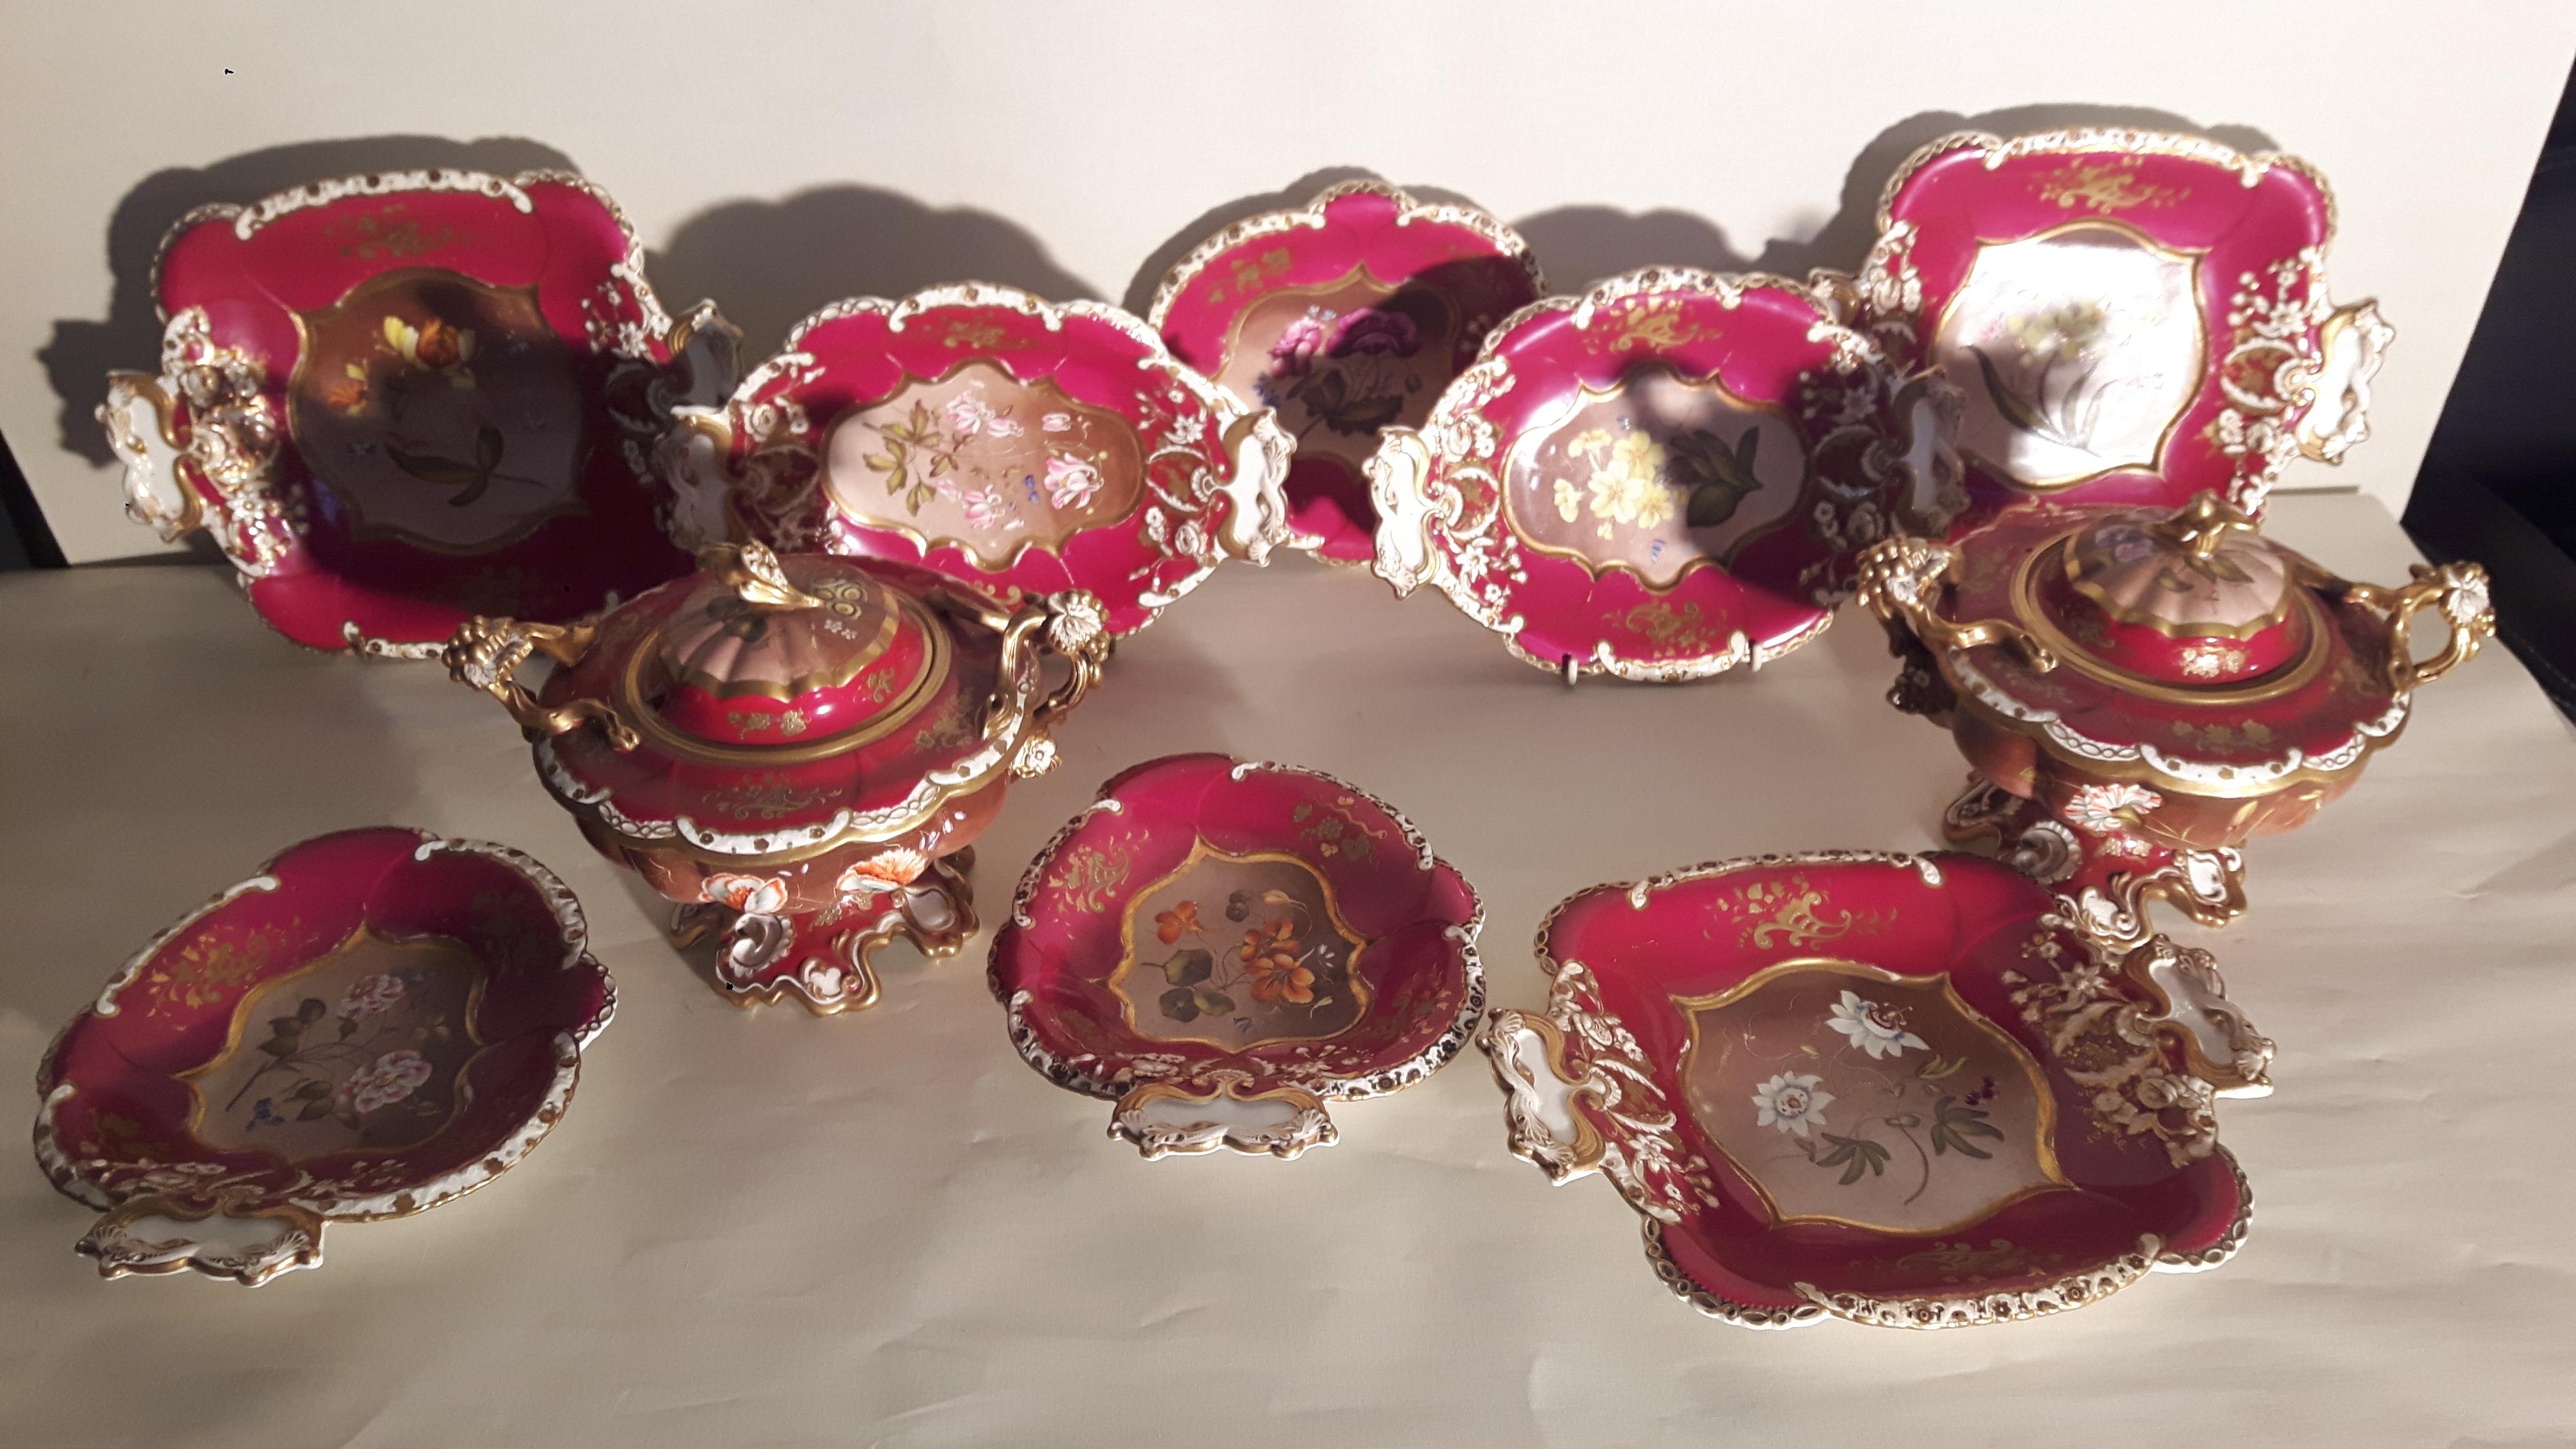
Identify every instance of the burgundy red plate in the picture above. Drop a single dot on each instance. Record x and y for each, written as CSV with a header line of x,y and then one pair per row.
x,y
377,1022
1348,315
2130,316
398,401
1664,478
1890,1089
1222,948
1022,446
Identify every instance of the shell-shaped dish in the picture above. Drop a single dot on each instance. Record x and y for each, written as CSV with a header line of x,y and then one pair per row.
x,y
1223,948
1891,1089
2129,316
1022,446
1348,315
377,1022
1664,478
400,400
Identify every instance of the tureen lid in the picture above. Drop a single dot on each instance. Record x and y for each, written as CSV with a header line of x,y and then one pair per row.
x,y
2196,600
772,651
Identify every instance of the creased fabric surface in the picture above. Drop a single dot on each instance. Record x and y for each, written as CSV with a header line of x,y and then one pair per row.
x,y
759,1229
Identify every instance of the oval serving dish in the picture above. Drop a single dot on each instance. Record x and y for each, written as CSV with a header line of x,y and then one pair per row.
x,y
1662,479
1222,948
1890,1089
400,400
1348,315
2130,316
377,1022
1023,446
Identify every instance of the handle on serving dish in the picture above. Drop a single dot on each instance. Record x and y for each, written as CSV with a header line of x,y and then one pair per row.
x,y
2351,346
143,430
1072,626
2220,1046
1256,518
1901,579
248,1244
1540,1092
1164,1119
2458,592
485,654
1399,475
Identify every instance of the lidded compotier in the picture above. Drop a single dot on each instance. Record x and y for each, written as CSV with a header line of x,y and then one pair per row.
x,y
2141,690
802,748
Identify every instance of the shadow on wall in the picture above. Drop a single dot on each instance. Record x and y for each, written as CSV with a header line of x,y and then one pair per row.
x,y
83,350
1580,245
770,264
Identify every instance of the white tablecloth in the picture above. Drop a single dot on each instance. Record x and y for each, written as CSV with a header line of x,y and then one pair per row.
x,y
766,1229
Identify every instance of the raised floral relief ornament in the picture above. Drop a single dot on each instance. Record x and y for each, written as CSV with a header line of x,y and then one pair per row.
x,y
377,1022
1664,478
1023,446
2129,316
1348,315
1891,1089
400,400
1223,948
800,751
2140,690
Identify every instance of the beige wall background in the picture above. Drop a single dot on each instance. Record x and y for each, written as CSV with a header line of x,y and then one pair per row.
x,y
776,156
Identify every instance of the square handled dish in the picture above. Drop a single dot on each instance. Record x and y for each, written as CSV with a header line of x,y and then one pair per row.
x,y
1891,1089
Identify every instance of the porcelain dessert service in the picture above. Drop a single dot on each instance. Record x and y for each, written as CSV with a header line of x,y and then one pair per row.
x,y
1348,316
780,648
1897,1090
376,1022
799,750
400,400
1222,949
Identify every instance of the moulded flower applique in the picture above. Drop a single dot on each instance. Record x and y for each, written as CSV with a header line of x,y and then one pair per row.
x,y
896,865
1071,482
1055,422
1181,920
2111,808
392,1077
1792,1102
373,996
1270,960
750,894
1876,1029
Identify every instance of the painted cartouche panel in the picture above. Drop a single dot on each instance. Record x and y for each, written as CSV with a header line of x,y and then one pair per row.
x,y
439,410
1343,360
1851,1095
1237,951
979,460
2077,350
1655,474
362,1049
